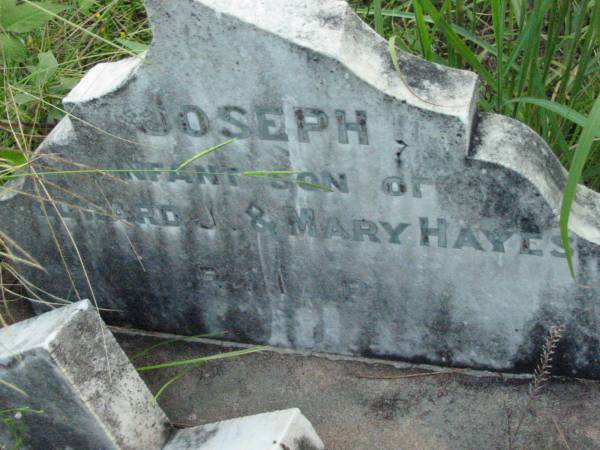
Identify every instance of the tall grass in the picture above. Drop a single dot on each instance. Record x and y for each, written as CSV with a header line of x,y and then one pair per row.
x,y
189,364
539,60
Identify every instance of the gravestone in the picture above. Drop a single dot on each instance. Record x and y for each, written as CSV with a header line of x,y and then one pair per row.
x,y
71,386
411,228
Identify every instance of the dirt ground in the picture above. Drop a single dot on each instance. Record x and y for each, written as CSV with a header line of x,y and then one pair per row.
x,y
359,405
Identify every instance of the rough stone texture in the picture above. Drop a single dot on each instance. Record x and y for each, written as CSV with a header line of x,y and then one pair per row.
x,y
436,240
278,430
355,405
79,388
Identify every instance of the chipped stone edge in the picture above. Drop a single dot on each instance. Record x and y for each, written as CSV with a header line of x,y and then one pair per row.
x,y
374,77
104,79
540,166
68,311
299,428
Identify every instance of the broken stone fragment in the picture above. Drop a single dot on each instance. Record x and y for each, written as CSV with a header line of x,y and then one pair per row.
x,y
71,386
278,430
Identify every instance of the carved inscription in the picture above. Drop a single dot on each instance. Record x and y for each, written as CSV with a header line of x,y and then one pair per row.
x,y
269,124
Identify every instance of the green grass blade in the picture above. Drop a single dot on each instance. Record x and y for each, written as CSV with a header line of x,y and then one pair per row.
x,y
517,7
150,349
590,130
80,28
260,173
461,31
525,38
200,360
498,24
458,44
14,388
393,53
589,47
557,138
14,158
537,89
446,10
134,46
309,185
203,153
557,108
21,409
572,51
378,13
169,382
423,31
460,20
553,34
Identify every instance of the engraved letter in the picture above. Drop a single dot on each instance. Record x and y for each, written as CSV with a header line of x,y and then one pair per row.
x,y
365,228
169,216
259,223
303,223
440,232
329,181
151,127
526,244
335,228
309,119
265,124
360,127
417,182
145,215
193,121
394,186
498,238
466,238
225,115
557,240
394,232
308,181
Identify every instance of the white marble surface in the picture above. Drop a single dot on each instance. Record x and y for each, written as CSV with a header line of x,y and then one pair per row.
x,y
278,430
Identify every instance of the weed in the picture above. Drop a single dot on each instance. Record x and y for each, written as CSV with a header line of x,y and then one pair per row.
x,y
540,377
188,364
12,418
13,421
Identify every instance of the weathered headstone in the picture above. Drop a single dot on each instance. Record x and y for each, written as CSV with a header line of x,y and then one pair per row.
x,y
71,386
414,229
287,429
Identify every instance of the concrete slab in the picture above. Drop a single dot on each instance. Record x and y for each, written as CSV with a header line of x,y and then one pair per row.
x,y
356,405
